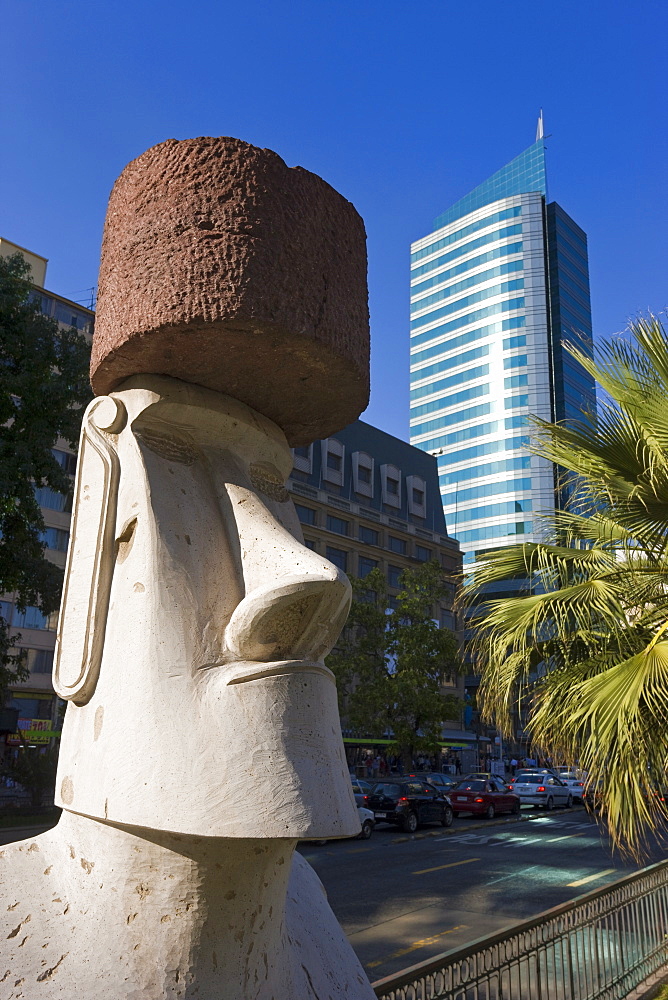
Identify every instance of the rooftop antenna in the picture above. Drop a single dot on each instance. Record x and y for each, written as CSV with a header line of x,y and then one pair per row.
x,y
540,131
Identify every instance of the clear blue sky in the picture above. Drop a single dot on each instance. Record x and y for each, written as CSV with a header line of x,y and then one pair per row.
x,y
403,107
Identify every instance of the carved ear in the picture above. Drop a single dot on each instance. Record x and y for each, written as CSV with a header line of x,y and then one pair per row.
x,y
91,555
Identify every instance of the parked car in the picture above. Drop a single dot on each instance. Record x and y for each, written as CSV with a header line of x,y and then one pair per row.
x,y
575,782
361,790
542,789
485,776
368,822
409,803
483,796
443,782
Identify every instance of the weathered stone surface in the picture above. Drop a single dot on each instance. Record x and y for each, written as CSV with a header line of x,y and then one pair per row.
x,y
223,267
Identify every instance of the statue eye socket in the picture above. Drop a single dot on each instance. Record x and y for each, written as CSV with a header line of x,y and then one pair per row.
x,y
267,480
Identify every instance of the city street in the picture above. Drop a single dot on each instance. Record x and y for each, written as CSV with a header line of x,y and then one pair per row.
x,y
403,901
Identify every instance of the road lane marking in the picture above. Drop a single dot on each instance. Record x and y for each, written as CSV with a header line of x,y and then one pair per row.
x,y
416,946
438,868
504,878
592,878
568,836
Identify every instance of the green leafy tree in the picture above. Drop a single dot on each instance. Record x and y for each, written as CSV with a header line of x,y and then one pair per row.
x,y
586,648
34,768
43,386
390,663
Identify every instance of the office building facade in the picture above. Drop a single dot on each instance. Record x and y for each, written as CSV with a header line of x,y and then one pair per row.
x,y
497,288
34,698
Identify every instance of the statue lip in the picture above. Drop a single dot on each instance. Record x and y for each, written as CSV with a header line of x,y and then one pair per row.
x,y
248,670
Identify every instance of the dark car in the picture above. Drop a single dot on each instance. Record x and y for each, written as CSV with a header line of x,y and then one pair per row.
x,y
483,796
442,782
408,803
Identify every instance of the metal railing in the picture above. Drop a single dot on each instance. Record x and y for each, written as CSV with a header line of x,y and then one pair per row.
x,y
599,946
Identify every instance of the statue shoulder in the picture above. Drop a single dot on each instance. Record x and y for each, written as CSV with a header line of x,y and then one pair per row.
x,y
324,959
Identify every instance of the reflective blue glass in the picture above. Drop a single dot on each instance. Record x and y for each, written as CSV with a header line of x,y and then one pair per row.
x,y
445,383
519,361
457,359
487,490
473,317
441,404
523,174
514,402
512,423
514,323
470,413
466,265
446,241
516,285
473,279
477,451
491,510
511,342
488,469
493,531
515,381
478,430
498,234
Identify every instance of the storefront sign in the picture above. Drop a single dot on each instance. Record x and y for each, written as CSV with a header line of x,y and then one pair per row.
x,y
35,731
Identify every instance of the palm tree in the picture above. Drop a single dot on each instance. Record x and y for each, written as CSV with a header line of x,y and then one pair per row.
x,y
585,648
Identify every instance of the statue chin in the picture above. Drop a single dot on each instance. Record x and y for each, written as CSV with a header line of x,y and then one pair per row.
x,y
259,757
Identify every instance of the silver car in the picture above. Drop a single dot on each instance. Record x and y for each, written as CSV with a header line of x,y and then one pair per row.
x,y
542,790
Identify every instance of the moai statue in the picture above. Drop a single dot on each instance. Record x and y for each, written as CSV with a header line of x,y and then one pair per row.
x,y
201,739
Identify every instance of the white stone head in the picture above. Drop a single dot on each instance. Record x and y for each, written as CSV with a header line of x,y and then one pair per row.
x,y
194,625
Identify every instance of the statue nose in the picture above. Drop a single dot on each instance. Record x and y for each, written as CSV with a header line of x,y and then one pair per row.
x,y
299,618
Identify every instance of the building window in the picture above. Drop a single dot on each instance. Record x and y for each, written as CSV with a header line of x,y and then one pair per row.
x,y
65,460
448,620
368,535
55,538
337,556
310,544
423,554
6,610
303,459
397,545
338,525
30,618
366,565
41,661
391,485
416,490
363,466
393,574
52,500
305,514
332,461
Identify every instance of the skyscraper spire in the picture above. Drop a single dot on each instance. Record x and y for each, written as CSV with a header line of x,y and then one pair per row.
x,y
540,131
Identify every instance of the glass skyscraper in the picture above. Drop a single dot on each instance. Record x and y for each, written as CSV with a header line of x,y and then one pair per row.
x,y
496,289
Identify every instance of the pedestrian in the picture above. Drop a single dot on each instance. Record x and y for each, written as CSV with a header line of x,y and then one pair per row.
x,y
458,766
513,765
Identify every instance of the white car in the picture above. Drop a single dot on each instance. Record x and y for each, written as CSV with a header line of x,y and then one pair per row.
x,y
368,821
575,781
542,790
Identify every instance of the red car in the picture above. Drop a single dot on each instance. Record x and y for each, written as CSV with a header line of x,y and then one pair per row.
x,y
483,796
